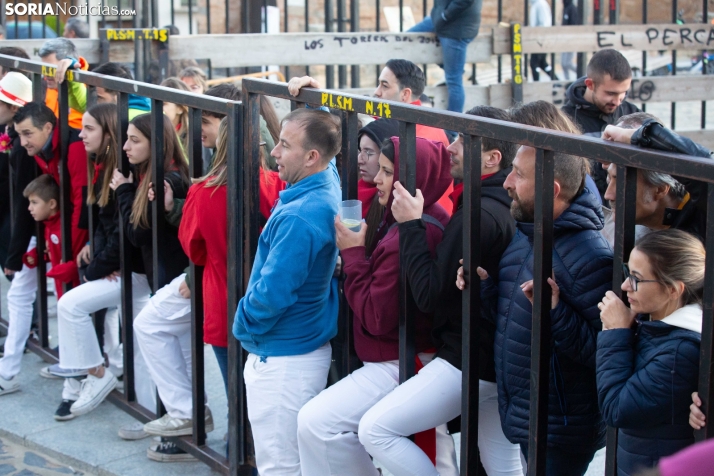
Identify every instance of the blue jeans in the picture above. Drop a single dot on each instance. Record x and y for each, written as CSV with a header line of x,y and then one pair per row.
x,y
563,463
222,359
454,53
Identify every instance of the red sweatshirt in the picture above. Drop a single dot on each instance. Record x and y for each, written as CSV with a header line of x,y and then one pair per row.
x,y
204,236
48,161
61,272
372,285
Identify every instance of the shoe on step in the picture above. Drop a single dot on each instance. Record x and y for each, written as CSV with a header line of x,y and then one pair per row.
x,y
168,452
63,412
94,391
9,386
133,431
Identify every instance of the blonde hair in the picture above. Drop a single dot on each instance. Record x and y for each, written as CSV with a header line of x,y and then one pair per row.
x,y
676,256
218,173
176,83
197,74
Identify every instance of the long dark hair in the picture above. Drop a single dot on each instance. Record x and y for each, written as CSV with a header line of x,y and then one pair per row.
x,y
173,161
106,116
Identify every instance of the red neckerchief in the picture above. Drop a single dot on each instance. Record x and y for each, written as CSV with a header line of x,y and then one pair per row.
x,y
365,193
459,190
97,170
178,127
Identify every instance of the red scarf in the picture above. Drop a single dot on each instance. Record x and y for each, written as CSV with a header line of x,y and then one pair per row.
x,y
97,170
459,190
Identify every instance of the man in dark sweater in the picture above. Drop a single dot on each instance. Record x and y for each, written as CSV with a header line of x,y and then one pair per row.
x,y
432,284
598,100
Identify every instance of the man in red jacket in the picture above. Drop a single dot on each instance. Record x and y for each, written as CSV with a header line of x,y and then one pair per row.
x,y
39,135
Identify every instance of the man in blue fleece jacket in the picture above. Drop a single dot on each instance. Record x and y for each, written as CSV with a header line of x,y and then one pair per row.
x,y
289,312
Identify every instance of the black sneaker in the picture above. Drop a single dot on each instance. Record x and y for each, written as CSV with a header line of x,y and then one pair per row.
x,y
168,452
63,412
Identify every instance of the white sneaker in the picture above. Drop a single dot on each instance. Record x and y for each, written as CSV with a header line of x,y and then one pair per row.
x,y
133,431
168,426
94,391
12,385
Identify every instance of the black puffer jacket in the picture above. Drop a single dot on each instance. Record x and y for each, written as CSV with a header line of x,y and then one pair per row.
x,y
582,265
645,378
692,217
106,241
175,259
463,18
24,171
432,281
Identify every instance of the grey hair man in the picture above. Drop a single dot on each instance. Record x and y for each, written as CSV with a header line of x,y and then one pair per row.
x,y
76,28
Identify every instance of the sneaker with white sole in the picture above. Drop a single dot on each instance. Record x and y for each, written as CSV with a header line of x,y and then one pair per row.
x,y
133,431
94,391
169,426
9,386
55,372
168,452
63,412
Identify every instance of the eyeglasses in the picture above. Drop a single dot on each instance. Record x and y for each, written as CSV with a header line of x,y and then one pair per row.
x,y
367,153
634,280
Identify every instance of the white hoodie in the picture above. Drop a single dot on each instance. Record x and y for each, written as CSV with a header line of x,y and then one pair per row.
x,y
688,317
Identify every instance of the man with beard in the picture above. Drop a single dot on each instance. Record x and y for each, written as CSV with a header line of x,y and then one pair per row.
x,y
598,100
582,273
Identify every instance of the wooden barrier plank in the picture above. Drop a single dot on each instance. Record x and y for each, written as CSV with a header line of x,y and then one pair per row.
x,y
300,49
89,49
591,38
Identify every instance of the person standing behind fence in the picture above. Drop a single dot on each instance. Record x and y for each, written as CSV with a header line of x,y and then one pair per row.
x,y
540,14
456,24
663,201
53,52
178,113
582,270
289,312
570,17
598,99
433,396
328,424
195,79
16,92
647,370
80,354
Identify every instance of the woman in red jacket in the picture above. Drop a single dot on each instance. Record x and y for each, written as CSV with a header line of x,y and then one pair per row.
x,y
328,424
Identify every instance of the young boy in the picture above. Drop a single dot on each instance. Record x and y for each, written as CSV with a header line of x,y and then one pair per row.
x,y
43,195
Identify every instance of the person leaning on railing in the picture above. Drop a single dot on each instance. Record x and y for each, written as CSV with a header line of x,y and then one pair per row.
x,y
647,370
328,424
289,311
433,396
582,273
670,202
53,51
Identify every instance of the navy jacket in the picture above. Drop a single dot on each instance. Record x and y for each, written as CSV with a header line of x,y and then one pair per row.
x,y
582,263
645,378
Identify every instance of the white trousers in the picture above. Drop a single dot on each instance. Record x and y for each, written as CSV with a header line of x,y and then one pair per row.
x,y
20,297
276,389
78,345
163,331
328,424
428,399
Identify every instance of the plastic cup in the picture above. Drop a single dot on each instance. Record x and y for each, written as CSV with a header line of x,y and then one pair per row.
x,y
351,214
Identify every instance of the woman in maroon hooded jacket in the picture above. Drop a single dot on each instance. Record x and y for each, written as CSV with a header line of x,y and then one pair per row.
x,y
328,424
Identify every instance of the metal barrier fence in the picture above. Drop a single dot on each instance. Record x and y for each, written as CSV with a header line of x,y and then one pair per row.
x,y
547,143
196,444
243,226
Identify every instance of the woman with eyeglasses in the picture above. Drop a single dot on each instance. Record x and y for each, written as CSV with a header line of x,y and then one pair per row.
x,y
647,369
